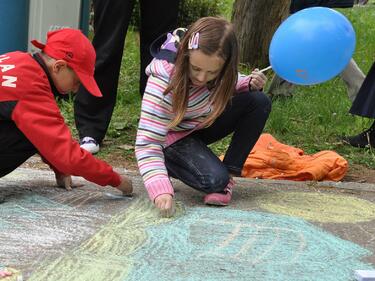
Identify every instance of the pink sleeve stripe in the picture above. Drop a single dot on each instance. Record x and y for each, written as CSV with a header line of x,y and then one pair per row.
x,y
149,164
153,122
150,106
142,138
155,85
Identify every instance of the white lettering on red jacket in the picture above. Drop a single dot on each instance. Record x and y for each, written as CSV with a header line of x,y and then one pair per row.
x,y
7,81
3,58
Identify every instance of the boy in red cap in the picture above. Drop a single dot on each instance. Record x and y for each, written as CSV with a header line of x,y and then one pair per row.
x,y
30,120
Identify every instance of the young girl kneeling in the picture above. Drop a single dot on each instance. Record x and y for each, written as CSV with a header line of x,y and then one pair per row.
x,y
193,100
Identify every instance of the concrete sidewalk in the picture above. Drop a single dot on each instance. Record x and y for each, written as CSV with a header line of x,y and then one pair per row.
x,y
273,230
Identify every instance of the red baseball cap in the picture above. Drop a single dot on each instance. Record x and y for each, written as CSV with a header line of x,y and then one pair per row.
x,y
76,49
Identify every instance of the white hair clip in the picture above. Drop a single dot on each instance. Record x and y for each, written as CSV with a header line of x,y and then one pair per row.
x,y
194,41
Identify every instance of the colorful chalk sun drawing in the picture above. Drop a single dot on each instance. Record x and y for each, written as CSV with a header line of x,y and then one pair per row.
x,y
207,244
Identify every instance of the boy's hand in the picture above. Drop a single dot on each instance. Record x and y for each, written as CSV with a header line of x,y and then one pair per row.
x,y
165,205
257,80
65,181
126,186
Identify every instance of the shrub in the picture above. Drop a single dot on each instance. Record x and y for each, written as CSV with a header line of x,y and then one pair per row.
x,y
190,11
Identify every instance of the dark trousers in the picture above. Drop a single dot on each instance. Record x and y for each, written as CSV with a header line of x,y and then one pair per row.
x,y
192,162
297,5
364,103
15,148
111,20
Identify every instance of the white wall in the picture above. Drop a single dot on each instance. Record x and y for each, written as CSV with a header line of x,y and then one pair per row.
x,y
47,15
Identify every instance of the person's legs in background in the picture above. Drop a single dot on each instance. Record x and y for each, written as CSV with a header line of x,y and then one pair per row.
x,y
364,105
363,139
157,17
111,20
353,78
92,114
361,2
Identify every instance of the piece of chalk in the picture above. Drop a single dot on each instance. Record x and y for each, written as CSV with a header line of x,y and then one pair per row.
x,y
364,275
115,196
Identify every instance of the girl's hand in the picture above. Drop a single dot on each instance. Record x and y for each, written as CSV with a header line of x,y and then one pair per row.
x,y
257,80
164,203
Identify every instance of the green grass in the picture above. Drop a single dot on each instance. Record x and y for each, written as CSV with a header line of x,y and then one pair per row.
x,y
312,119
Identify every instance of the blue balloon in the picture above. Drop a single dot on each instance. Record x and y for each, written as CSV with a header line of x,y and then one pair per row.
x,y
312,46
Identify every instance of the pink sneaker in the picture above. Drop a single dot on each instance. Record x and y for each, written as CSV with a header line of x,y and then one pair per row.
x,y
218,199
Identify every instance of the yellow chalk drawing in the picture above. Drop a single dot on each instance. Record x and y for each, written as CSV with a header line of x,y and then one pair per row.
x,y
15,175
16,275
319,207
107,255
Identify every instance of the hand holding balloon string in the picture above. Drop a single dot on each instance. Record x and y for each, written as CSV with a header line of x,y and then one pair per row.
x,y
258,79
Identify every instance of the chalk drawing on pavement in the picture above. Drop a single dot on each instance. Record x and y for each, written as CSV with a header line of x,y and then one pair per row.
x,y
108,254
223,244
320,207
206,244
16,275
42,227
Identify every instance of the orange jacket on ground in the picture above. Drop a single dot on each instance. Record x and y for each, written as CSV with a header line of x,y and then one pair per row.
x,y
271,159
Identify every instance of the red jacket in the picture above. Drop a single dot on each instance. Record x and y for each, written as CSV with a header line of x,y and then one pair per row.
x,y
27,99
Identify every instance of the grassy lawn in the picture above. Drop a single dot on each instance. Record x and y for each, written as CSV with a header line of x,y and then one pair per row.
x,y
311,120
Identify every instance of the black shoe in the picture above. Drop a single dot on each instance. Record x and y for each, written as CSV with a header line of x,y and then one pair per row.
x,y
362,140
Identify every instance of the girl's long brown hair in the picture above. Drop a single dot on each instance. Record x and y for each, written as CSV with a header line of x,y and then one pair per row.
x,y
216,37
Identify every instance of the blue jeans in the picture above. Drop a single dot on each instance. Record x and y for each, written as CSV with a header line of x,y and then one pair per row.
x,y
192,162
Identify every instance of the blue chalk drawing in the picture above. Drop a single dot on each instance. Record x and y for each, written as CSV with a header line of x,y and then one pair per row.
x,y
26,207
5,224
225,244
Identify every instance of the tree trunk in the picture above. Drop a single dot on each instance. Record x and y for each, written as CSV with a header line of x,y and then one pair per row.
x,y
255,22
